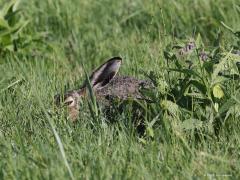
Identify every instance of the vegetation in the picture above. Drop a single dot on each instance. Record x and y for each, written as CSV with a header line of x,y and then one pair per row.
x,y
189,49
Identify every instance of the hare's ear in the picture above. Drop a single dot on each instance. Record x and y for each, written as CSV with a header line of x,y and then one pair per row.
x,y
105,73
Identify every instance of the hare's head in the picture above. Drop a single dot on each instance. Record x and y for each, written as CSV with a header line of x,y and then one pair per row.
x,y
98,79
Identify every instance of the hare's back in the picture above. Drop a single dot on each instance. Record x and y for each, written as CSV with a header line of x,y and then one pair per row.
x,y
124,87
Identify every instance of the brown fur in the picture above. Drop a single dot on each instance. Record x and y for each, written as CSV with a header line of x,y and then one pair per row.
x,y
106,86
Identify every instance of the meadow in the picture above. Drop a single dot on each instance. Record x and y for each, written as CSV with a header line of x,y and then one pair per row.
x,y
189,49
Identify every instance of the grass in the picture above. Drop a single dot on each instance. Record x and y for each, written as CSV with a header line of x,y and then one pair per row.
x,y
37,143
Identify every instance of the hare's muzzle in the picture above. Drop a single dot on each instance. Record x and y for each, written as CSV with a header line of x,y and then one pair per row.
x,y
70,101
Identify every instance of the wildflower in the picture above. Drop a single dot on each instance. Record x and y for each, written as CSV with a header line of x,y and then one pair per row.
x,y
187,48
203,55
190,46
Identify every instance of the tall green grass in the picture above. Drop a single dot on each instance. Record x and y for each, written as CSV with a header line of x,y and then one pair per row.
x,y
37,143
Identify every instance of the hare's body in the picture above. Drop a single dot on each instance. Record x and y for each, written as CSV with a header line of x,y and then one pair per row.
x,y
106,86
123,87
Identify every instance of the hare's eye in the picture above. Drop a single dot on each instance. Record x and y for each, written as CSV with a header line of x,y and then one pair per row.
x,y
68,102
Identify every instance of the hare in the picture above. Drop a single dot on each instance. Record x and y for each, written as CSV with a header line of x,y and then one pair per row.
x,y
105,85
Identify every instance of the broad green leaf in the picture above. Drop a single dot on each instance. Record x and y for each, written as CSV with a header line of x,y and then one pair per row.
x,y
8,6
216,107
196,95
233,57
150,132
10,47
168,55
208,66
149,94
6,40
5,32
179,45
220,67
201,87
11,5
218,92
219,80
199,42
227,27
231,106
191,123
237,97
236,33
13,17
3,24
233,111
227,104
18,27
186,71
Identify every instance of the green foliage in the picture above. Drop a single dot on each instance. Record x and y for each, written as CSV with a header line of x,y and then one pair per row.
x,y
189,49
201,77
11,25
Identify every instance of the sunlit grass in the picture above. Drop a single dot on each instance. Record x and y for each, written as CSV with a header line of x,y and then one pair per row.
x,y
38,143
